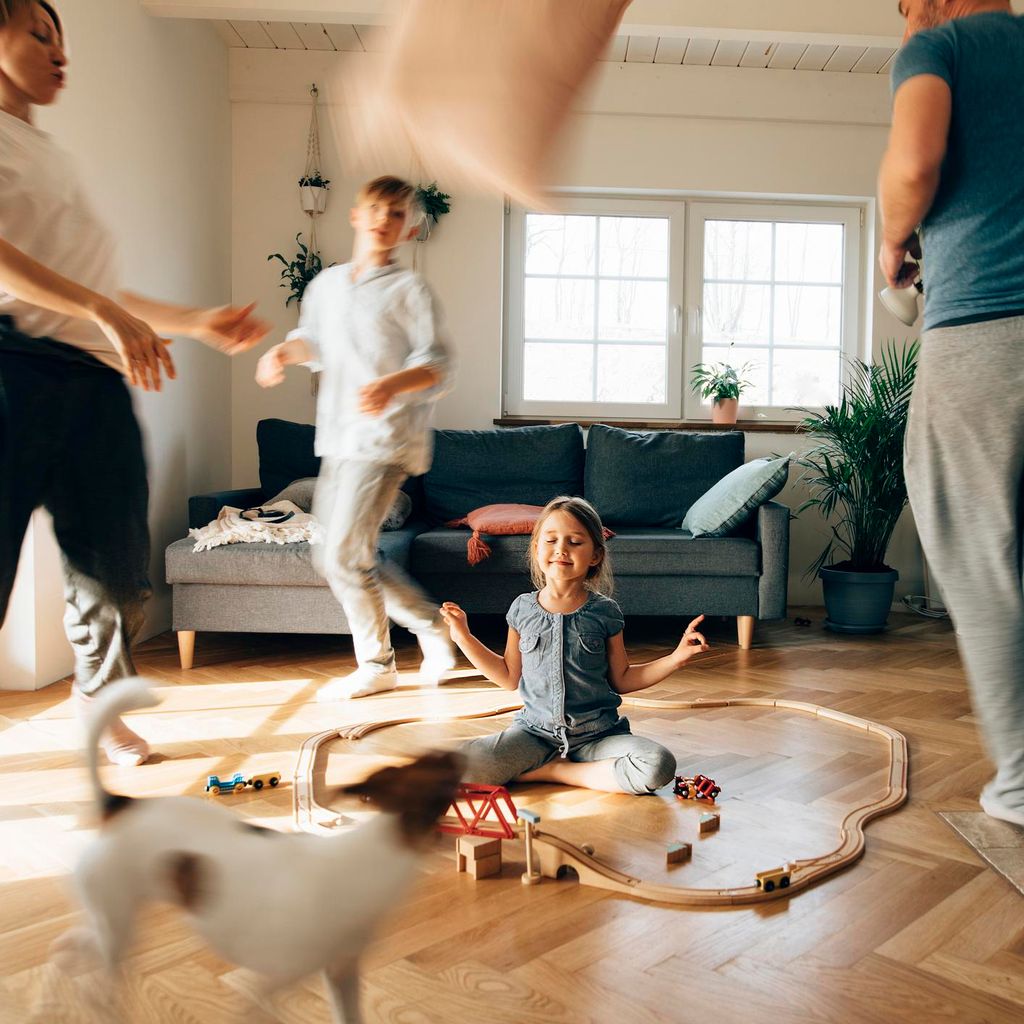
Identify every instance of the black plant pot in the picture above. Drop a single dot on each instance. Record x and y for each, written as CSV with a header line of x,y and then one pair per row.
x,y
857,602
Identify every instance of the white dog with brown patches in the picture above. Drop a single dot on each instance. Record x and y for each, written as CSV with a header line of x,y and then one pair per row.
x,y
282,904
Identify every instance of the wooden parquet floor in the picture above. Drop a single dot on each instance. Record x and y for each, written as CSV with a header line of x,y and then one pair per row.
x,y
919,930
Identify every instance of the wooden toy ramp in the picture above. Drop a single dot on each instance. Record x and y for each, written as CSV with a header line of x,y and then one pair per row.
x,y
799,783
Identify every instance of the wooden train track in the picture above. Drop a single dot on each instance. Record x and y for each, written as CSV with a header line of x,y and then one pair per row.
x,y
555,853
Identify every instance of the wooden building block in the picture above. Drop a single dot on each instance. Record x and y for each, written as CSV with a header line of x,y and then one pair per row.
x,y
708,823
478,847
485,867
678,853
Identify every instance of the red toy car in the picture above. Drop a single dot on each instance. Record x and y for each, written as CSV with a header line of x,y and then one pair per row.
x,y
699,787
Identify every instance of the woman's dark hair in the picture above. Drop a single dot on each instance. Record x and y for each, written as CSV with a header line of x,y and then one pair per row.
x,y
8,8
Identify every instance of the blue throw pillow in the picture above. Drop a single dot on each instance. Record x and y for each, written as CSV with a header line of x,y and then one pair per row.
x,y
736,497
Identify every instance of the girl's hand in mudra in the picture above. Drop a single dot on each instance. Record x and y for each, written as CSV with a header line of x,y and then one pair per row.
x,y
692,642
456,621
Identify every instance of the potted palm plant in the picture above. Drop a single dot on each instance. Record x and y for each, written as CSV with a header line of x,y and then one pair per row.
x,y
856,473
723,384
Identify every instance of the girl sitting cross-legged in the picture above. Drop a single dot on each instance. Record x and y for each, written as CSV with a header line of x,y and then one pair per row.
x,y
566,656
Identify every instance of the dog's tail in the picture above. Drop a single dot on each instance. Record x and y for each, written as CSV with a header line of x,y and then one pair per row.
x,y
112,702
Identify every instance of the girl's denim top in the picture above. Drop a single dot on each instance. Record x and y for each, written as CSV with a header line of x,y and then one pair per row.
x,y
564,685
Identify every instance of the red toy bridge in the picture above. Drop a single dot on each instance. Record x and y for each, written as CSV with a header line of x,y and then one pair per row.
x,y
477,810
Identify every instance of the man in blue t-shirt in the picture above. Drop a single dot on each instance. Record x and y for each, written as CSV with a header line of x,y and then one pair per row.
x,y
955,166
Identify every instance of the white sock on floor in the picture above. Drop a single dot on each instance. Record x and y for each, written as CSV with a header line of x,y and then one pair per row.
x,y
361,683
122,745
438,656
995,808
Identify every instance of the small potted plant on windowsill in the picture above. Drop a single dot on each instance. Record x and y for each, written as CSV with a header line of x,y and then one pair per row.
x,y
313,192
856,473
298,271
723,384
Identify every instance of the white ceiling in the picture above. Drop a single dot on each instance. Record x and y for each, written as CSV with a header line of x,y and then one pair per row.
x,y
732,53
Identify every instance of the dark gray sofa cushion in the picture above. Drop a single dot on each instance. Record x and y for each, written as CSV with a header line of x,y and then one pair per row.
x,y
522,465
651,478
634,551
267,564
286,453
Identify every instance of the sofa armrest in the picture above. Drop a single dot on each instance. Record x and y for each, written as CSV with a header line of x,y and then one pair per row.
x,y
773,536
204,508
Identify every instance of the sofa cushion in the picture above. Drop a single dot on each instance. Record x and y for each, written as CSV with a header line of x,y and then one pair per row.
x,y
524,465
651,478
286,453
268,564
736,497
635,551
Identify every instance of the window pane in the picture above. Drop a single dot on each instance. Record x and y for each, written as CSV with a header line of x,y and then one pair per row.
x,y
631,373
736,250
809,252
634,246
735,312
560,245
811,315
632,310
558,373
808,377
559,308
757,374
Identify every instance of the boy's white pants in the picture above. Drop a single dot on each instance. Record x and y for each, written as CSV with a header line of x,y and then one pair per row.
x,y
351,502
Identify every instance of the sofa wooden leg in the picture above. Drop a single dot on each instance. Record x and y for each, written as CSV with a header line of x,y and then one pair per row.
x,y
186,647
745,630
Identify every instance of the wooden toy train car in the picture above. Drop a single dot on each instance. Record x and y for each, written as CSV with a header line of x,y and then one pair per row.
x,y
774,878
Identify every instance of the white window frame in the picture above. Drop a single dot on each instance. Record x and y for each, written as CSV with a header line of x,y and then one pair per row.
x,y
514,347
699,213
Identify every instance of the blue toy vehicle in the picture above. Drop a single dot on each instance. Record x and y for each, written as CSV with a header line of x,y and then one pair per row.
x,y
216,785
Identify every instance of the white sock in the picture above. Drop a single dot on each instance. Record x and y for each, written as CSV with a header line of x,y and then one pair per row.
x,y
122,745
361,683
995,808
438,656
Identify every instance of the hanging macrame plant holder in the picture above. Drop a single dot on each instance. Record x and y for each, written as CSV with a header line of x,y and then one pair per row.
x,y
313,185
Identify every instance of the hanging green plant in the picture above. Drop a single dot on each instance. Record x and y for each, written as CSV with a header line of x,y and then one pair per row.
x,y
434,203
298,271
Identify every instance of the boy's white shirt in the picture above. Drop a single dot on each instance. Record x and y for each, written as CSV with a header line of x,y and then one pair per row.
x,y
45,214
388,320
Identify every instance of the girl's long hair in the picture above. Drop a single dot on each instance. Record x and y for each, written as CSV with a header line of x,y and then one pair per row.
x,y
599,577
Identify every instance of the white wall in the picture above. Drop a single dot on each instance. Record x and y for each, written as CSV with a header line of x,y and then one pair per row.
x,y
655,127
146,114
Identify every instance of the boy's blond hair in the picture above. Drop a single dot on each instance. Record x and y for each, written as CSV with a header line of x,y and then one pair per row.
x,y
394,191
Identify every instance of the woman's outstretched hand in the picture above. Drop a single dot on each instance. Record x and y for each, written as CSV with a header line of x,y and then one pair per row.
x,y
143,352
692,642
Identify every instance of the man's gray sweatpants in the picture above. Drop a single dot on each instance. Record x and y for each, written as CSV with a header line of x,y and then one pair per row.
x,y
964,463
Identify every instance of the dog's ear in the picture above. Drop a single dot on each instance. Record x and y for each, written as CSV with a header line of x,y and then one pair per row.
x,y
418,792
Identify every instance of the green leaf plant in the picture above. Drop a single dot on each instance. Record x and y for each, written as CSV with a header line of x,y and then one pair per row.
x,y
720,381
298,271
856,470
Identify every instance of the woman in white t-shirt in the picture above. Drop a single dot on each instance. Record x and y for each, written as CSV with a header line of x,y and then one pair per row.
x,y
69,440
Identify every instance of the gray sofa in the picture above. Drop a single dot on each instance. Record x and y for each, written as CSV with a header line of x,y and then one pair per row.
x,y
642,483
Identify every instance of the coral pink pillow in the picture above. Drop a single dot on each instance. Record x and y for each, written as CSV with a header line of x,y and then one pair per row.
x,y
499,521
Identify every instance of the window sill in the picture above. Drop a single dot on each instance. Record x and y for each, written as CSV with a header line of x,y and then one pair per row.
x,y
745,426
